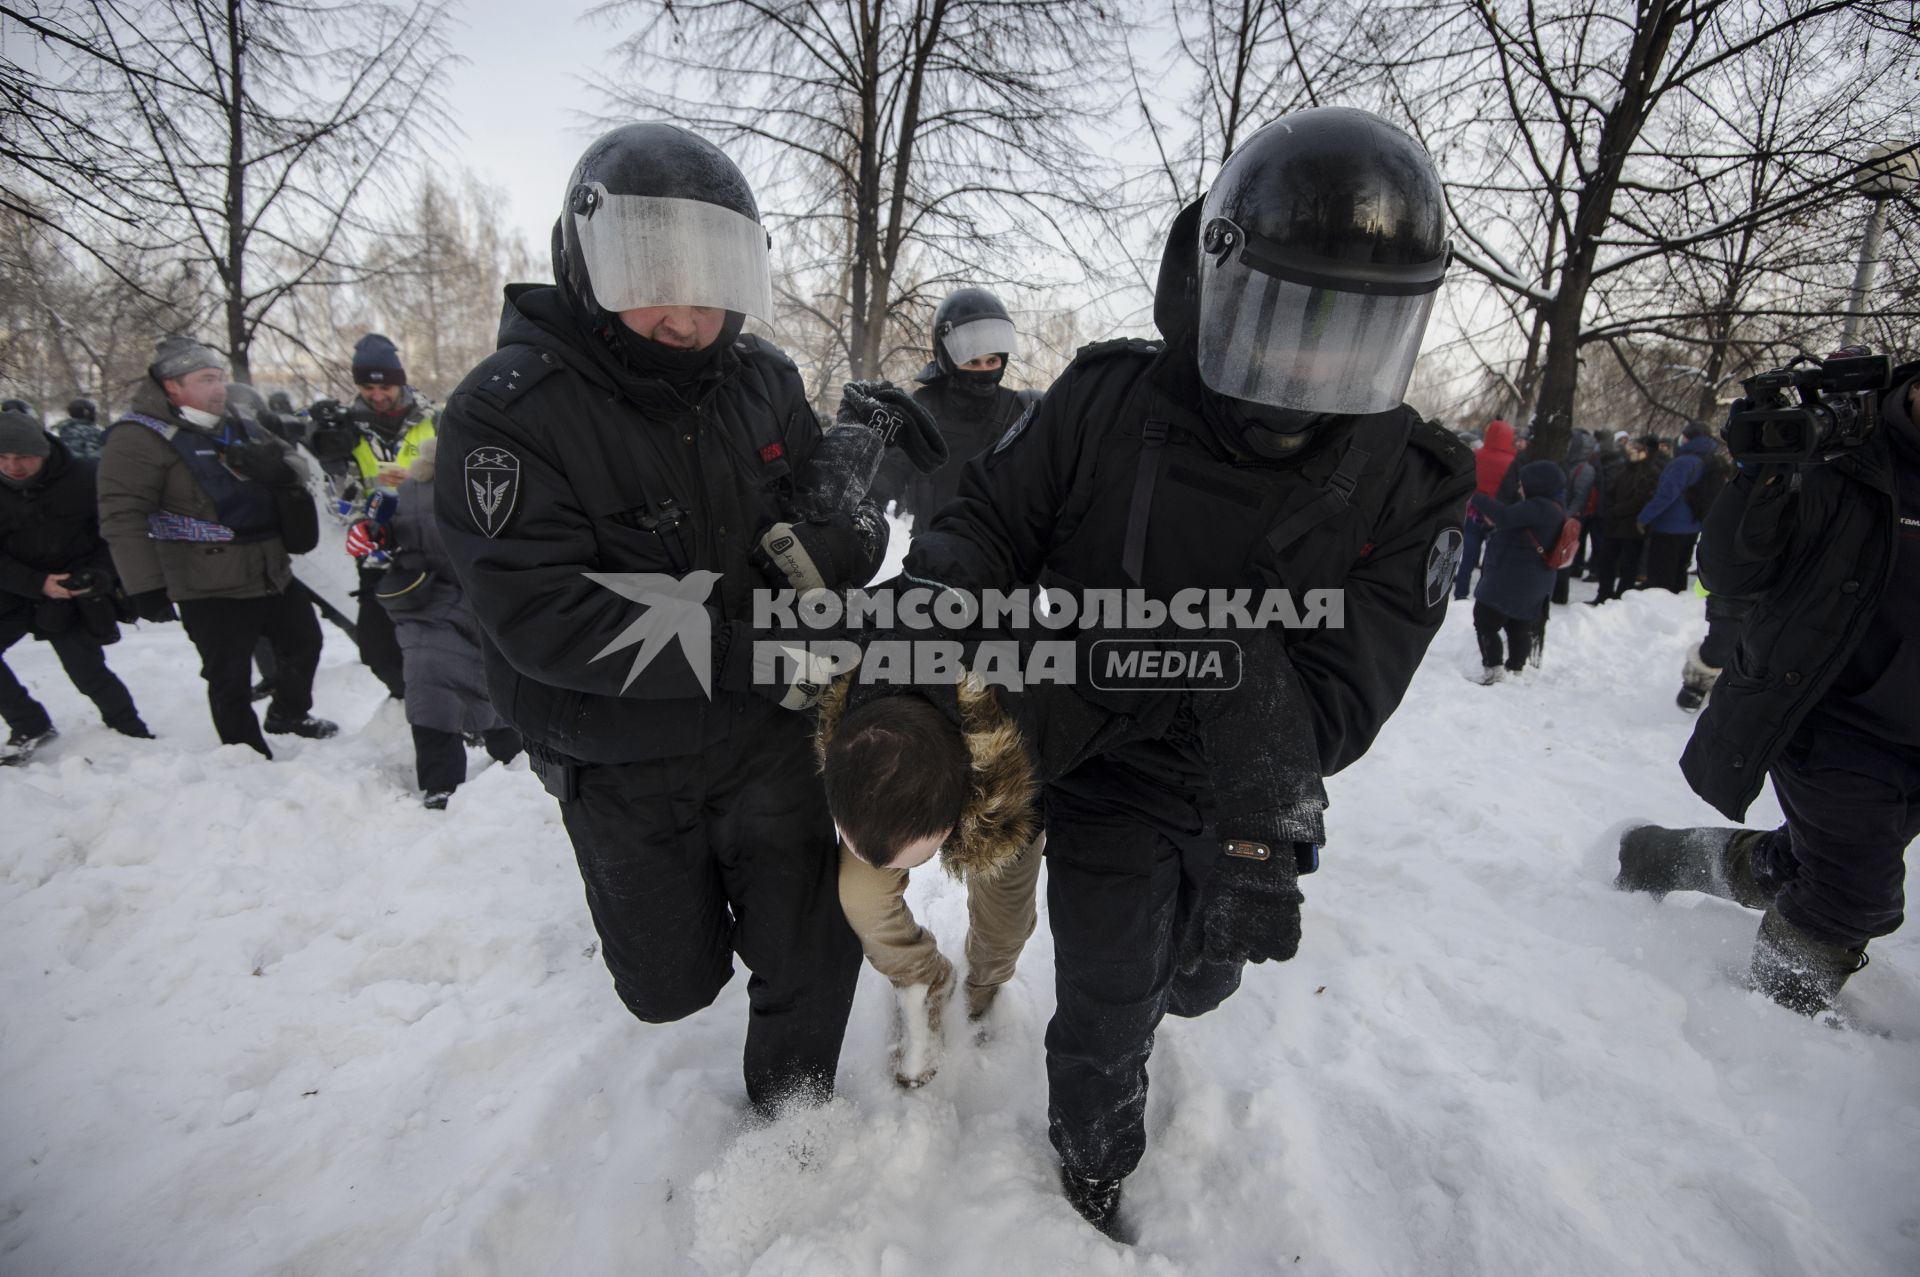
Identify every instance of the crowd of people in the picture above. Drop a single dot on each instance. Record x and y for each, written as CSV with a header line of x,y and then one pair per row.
x,y
1631,508
566,558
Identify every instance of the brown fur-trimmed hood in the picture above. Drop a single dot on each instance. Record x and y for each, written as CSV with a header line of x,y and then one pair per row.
x,y
1001,813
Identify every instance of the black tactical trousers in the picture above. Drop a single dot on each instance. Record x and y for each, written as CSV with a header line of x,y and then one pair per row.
x,y
1838,868
440,758
225,631
689,861
373,632
1121,891
85,662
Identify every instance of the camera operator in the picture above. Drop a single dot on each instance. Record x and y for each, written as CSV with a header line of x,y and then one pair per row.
x,y
56,583
377,440
1821,688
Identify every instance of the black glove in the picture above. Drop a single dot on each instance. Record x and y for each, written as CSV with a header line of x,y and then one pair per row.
x,y
830,553
1250,908
891,413
327,412
153,605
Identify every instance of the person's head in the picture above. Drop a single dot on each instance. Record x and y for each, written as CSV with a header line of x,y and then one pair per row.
x,y
896,774
1542,479
24,447
1635,449
1695,430
191,375
1320,249
16,405
677,327
973,335
660,231
281,402
378,373
82,410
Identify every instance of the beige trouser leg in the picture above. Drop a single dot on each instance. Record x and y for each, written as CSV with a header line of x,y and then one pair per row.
x,y
1000,918
898,946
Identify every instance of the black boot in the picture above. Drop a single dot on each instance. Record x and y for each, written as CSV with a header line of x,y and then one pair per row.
x,y
1716,861
1797,970
1097,1200
306,725
21,746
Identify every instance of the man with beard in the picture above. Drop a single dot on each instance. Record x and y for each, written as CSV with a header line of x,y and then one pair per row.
x,y
378,438
1262,443
605,480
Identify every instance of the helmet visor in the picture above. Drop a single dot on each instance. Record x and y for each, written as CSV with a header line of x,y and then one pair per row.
x,y
1275,341
643,250
985,336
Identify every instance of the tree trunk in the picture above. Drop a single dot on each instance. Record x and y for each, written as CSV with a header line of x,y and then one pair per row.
x,y
239,339
1553,418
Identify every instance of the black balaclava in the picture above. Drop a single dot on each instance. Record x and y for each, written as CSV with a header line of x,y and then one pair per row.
x,y
976,383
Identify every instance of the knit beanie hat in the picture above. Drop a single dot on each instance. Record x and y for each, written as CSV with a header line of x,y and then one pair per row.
x,y
22,436
376,362
176,356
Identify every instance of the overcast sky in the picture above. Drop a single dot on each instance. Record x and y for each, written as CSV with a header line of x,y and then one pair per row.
x,y
520,99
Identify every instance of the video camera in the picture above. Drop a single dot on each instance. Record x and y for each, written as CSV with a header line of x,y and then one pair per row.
x,y
1796,415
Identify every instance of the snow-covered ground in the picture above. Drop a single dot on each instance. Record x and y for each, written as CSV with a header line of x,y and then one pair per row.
x,y
276,1018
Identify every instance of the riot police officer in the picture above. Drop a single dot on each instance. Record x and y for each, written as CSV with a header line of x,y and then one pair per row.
x,y
972,340
1261,443
603,480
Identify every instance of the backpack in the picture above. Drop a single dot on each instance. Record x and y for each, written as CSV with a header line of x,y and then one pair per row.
x,y
1564,547
1714,473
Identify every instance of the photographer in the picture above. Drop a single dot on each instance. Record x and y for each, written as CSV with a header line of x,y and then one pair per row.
x,y
56,583
377,439
196,509
1820,690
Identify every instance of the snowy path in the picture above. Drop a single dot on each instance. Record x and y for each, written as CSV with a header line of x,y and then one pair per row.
x,y
277,1019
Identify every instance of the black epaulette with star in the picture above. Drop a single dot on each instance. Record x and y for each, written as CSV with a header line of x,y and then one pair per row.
x,y
507,374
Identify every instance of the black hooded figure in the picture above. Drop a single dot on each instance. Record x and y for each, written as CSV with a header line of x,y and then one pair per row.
x,y
602,482
973,338
1262,444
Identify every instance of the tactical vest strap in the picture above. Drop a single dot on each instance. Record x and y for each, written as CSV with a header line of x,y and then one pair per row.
x,y
1153,452
1336,494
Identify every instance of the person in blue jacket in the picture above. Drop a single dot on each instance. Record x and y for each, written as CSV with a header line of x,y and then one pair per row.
x,y
1668,520
1515,581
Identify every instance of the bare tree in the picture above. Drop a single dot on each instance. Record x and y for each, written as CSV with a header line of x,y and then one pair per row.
x,y
904,146
248,136
1564,132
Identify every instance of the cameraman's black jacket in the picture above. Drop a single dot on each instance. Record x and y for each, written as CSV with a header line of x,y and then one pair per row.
x,y
1816,548
48,527
1052,503
589,461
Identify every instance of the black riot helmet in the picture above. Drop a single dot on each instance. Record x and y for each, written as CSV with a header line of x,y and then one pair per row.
x,y
969,323
82,410
1321,247
656,216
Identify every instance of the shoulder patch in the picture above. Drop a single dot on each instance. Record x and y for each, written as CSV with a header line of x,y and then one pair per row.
x,y
1441,443
493,485
510,373
1015,430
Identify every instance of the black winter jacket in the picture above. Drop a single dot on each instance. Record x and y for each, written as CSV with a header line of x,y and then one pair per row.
x,y
590,467
1626,493
48,528
971,418
1515,580
1051,504
1815,548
